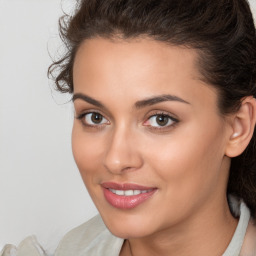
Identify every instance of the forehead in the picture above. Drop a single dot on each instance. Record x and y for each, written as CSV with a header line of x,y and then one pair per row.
x,y
137,67
135,56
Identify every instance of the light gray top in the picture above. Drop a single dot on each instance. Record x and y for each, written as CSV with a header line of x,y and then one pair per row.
x,y
28,247
94,239
236,243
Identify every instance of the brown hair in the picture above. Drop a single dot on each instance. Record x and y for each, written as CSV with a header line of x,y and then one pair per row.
x,y
222,31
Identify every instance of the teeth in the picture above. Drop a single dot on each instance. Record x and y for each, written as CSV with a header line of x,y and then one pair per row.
x,y
128,192
120,192
136,192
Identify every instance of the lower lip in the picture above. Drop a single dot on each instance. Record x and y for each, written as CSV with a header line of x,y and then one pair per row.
x,y
126,202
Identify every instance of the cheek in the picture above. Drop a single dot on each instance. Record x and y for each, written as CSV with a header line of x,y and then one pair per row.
x,y
189,161
87,152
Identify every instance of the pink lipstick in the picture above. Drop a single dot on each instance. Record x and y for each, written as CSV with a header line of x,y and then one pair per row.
x,y
126,196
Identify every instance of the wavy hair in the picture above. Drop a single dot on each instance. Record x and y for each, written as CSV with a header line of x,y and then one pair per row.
x,y
222,32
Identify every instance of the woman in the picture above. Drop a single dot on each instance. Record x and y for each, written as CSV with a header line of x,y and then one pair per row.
x,y
163,136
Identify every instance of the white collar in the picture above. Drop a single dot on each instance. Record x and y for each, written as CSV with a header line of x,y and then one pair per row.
x,y
236,243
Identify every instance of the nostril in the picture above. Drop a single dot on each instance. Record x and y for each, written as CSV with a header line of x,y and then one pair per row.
x,y
127,168
125,164
116,167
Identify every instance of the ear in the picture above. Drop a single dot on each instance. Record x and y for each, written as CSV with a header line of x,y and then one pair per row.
x,y
243,124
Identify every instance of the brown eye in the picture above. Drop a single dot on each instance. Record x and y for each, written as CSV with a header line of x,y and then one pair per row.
x,y
162,120
94,118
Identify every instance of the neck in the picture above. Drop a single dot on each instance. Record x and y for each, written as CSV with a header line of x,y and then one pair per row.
x,y
206,233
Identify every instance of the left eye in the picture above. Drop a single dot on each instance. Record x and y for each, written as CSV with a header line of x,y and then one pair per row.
x,y
160,120
94,119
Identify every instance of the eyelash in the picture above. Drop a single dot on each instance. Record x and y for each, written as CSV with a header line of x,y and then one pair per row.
x,y
159,128
82,116
172,119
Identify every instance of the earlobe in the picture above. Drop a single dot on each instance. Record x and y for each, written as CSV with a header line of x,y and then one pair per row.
x,y
243,125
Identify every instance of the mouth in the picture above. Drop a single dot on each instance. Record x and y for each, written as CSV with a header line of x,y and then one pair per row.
x,y
126,196
129,192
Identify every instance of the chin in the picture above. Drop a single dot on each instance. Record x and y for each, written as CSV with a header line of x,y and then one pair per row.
x,y
129,232
129,225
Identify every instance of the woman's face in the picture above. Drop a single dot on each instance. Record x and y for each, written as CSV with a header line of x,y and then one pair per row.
x,y
147,138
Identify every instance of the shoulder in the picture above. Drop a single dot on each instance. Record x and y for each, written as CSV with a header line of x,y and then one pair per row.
x,y
90,238
249,245
28,247
243,242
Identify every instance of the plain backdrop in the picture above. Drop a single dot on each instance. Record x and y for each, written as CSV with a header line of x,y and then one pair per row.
x,y
41,192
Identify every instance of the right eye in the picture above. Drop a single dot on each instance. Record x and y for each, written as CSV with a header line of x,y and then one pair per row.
x,y
93,119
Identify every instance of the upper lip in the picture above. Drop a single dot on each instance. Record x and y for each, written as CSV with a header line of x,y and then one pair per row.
x,y
124,186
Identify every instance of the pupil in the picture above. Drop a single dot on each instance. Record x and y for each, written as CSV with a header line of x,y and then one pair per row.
x,y
96,118
162,120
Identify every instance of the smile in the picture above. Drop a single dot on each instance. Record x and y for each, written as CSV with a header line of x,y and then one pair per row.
x,y
126,196
129,192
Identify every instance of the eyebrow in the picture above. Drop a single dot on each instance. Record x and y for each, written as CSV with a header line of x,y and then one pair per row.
x,y
158,99
87,99
138,104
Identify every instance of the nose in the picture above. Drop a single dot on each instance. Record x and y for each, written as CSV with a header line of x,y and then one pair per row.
x,y
122,152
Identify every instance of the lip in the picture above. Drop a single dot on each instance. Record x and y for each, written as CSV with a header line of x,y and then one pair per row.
x,y
126,202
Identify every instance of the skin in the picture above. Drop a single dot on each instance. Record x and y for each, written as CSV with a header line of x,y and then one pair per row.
x,y
186,160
